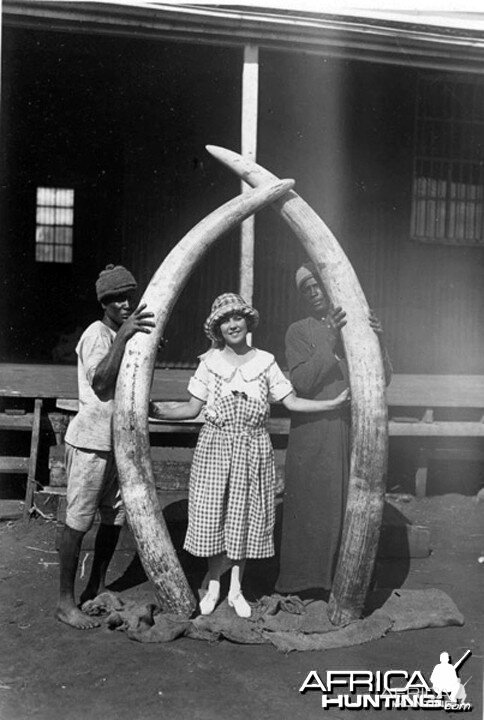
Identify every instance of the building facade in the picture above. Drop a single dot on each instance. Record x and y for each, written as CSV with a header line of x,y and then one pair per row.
x,y
106,111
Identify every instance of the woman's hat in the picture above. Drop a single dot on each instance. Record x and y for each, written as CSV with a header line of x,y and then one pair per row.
x,y
228,304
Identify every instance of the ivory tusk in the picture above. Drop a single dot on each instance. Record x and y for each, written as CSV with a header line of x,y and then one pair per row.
x,y
131,432
364,509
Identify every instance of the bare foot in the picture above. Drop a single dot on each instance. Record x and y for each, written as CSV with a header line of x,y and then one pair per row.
x,y
71,615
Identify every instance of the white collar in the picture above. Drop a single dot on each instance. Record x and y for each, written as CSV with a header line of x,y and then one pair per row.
x,y
250,370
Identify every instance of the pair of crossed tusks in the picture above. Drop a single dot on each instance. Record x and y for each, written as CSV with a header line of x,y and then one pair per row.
x,y
369,413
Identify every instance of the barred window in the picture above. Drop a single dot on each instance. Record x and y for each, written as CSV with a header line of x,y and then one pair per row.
x,y
448,172
54,225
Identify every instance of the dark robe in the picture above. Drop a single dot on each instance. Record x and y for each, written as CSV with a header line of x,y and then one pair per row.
x,y
317,462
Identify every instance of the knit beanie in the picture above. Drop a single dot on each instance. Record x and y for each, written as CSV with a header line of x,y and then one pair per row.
x,y
304,273
114,280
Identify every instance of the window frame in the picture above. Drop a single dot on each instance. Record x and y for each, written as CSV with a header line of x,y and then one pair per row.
x,y
57,200
447,193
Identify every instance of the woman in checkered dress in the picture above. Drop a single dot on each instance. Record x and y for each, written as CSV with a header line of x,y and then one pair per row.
x,y
231,494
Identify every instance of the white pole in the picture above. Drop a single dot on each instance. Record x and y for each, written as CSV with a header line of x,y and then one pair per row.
x,y
250,96
1,30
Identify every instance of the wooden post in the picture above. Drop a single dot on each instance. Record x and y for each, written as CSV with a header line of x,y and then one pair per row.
x,y
250,92
34,451
1,33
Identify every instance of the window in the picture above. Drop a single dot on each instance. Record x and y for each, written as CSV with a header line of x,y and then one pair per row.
x,y
54,225
448,175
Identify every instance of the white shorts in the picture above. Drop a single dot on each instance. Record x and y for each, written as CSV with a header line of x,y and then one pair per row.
x,y
92,485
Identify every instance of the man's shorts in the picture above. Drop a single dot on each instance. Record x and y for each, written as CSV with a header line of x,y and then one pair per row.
x,y
92,484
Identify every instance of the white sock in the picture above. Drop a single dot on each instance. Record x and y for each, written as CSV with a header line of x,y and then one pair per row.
x,y
234,581
235,598
214,588
210,599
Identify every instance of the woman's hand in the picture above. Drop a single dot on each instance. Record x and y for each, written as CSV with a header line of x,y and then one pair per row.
x,y
342,399
174,410
297,404
155,411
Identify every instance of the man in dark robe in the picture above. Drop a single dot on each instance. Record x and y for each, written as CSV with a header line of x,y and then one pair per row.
x,y
318,452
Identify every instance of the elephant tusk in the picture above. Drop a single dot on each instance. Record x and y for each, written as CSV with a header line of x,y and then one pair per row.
x,y
364,508
130,422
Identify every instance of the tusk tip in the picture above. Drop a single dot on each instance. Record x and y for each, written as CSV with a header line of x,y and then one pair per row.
x,y
289,183
220,152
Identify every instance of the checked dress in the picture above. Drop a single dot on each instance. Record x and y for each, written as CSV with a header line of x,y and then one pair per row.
x,y
231,492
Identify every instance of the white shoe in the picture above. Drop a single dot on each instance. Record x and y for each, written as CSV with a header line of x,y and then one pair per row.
x,y
208,602
240,605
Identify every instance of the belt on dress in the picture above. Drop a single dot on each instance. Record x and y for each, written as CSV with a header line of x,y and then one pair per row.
x,y
253,432
245,433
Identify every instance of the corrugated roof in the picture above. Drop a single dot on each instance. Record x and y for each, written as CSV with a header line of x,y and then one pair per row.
x,y
450,39
461,14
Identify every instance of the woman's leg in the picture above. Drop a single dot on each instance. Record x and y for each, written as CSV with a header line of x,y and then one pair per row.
x,y
217,566
235,597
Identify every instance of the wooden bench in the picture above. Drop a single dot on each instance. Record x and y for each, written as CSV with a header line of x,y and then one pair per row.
x,y
420,406
428,407
424,407
19,420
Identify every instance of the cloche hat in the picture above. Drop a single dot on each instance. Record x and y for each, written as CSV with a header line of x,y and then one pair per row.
x,y
228,304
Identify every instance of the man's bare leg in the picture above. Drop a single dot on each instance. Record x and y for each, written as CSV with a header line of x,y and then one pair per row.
x,y
104,547
67,610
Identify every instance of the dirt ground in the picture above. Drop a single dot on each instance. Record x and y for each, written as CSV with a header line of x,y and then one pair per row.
x,y
50,671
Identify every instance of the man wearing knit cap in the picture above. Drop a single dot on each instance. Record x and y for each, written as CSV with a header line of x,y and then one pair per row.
x,y
318,452
92,479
